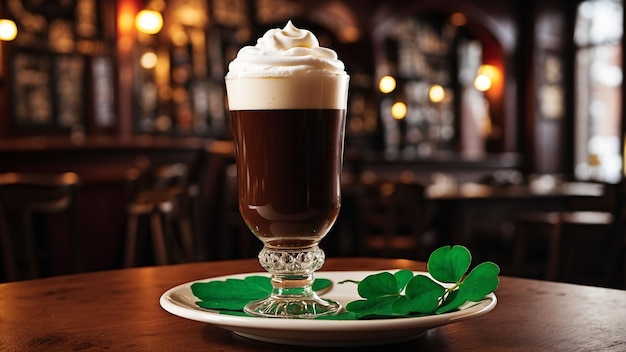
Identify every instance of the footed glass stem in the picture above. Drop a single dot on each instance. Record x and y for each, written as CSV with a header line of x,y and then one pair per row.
x,y
292,279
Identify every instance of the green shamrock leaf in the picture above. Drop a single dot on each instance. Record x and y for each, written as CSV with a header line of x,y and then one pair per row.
x,y
381,291
481,281
449,264
231,294
402,278
377,285
384,297
421,296
380,306
234,294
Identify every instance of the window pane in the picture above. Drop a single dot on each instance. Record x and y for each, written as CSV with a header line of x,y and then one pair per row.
x,y
598,21
598,109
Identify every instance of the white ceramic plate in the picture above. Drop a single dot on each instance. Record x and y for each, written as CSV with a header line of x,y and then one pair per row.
x,y
180,301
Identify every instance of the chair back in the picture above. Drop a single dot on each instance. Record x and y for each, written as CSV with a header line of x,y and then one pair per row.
x,y
28,201
394,218
158,177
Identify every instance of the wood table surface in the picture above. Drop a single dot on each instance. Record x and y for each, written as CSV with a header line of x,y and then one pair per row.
x,y
119,311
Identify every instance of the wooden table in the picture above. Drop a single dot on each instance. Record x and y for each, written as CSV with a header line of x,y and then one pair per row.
x,y
477,192
119,311
462,210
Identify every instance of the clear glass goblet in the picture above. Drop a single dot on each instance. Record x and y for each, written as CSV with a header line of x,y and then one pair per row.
x,y
289,160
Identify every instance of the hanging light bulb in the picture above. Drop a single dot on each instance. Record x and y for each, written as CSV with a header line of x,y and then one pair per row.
x,y
149,21
8,30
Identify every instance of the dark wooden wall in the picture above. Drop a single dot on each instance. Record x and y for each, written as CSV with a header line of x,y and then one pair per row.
x,y
525,31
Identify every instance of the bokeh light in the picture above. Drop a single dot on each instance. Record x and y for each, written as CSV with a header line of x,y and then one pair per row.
x,y
8,30
398,110
149,21
436,93
387,84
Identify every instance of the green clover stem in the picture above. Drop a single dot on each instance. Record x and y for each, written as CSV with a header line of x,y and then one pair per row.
x,y
449,290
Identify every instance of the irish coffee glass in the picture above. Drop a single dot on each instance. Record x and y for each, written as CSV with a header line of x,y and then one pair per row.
x,y
289,163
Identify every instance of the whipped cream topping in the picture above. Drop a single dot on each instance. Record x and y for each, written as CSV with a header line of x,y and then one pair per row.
x,y
286,52
287,69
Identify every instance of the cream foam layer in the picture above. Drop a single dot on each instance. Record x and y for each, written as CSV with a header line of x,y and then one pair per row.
x,y
286,69
284,53
271,93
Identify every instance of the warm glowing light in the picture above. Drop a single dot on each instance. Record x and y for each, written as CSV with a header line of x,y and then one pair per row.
x,y
482,83
148,60
178,36
398,110
387,84
8,30
485,76
349,34
126,18
436,93
149,21
458,19
488,70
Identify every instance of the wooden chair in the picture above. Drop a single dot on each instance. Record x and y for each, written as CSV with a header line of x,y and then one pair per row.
x,y
143,178
229,235
393,218
589,247
25,199
163,196
537,242
582,244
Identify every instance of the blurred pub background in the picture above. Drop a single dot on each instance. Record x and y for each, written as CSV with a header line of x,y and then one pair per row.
x,y
507,114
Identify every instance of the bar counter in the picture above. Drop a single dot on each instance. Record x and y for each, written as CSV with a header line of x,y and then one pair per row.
x,y
119,311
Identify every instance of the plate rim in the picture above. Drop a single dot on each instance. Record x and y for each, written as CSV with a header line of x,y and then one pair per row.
x,y
231,322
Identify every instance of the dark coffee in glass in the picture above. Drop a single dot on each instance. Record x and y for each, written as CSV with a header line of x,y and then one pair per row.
x,y
289,167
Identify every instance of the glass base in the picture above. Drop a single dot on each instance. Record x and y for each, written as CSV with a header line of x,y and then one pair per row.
x,y
293,307
292,279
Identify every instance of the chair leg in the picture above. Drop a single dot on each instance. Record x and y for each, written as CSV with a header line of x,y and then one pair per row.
x,y
158,238
31,256
10,272
186,236
78,259
199,248
519,252
131,240
554,252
